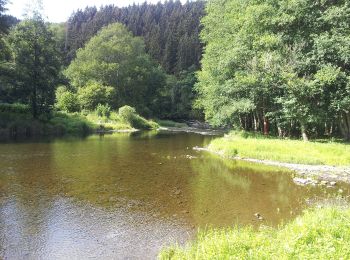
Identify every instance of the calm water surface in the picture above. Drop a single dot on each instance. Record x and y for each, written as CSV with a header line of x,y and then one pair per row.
x,y
125,196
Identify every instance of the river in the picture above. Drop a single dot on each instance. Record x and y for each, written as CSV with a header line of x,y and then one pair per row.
x,y
127,195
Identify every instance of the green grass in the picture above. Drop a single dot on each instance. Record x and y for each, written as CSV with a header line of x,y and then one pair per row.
x,y
111,123
17,121
63,123
318,234
291,151
170,123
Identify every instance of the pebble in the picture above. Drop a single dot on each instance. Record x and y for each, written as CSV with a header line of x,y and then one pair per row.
x,y
258,216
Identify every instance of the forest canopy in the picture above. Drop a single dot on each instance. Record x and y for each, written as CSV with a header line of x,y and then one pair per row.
x,y
115,62
277,66
273,66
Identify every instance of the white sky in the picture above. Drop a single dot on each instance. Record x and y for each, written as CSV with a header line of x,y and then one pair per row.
x,y
60,10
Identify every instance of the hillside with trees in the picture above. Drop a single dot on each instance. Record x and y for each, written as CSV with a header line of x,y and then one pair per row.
x,y
170,30
277,67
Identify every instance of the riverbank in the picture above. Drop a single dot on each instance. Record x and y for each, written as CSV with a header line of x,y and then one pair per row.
x,y
321,233
17,121
328,161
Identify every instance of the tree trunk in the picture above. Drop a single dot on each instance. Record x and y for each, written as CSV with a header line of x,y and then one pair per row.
x,y
345,126
266,126
280,131
255,123
303,133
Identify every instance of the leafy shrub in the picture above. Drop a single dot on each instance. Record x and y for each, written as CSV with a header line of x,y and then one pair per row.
x,y
71,123
128,115
14,108
103,110
93,94
66,100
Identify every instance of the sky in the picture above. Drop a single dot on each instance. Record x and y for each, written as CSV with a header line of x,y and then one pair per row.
x,y
60,10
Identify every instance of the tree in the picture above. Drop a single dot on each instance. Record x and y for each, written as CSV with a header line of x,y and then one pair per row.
x,y
3,23
167,29
66,100
277,66
114,57
36,63
93,94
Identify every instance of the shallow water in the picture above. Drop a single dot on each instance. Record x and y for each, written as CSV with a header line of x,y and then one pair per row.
x,y
128,195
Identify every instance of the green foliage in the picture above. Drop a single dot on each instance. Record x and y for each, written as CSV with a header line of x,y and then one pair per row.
x,y
66,100
93,94
170,30
14,108
71,124
176,97
169,123
128,115
115,58
277,64
36,63
322,233
255,146
103,110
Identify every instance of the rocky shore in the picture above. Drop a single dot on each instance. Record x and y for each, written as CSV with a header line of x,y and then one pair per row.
x,y
307,174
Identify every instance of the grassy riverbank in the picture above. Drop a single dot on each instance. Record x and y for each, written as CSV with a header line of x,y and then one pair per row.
x,y
318,234
290,151
17,121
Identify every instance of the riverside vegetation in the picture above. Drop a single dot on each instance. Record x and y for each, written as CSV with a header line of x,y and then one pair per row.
x,y
256,146
16,120
277,68
318,234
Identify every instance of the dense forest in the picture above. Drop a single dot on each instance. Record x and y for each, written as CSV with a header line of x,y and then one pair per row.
x,y
170,30
268,66
158,79
276,66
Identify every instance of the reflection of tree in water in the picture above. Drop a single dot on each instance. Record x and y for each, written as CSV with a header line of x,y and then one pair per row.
x,y
226,191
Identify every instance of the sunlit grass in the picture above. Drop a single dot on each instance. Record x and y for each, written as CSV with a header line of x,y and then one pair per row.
x,y
170,123
318,234
291,151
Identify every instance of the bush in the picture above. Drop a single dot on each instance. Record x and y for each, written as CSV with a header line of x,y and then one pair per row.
x,y
71,123
93,94
128,115
66,100
14,108
103,110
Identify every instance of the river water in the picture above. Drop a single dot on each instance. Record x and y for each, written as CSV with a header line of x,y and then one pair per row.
x,y
127,195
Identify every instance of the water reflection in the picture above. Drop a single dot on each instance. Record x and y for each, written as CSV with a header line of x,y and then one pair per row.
x,y
129,194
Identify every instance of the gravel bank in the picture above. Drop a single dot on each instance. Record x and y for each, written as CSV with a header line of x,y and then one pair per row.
x,y
320,172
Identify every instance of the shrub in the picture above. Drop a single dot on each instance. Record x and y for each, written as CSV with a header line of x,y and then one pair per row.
x,y
93,94
103,110
128,115
14,108
71,123
66,100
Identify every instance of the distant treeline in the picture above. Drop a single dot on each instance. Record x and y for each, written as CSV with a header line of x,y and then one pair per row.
x,y
170,30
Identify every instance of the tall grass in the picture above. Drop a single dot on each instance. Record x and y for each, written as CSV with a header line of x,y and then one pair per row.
x,y
17,121
290,151
170,123
318,234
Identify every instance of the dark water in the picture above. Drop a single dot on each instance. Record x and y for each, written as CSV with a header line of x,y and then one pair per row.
x,y
125,196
